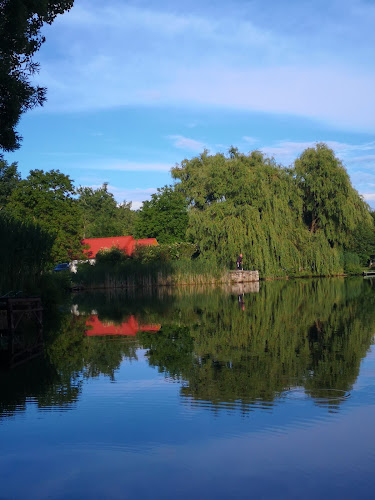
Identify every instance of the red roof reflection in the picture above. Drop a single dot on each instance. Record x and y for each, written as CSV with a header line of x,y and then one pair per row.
x,y
129,327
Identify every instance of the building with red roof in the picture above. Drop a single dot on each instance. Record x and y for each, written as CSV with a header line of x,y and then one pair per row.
x,y
125,243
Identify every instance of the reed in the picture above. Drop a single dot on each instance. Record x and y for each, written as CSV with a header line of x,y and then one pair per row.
x,y
24,254
131,273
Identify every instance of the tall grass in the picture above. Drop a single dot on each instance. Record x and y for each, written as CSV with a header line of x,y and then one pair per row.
x,y
133,273
178,264
24,253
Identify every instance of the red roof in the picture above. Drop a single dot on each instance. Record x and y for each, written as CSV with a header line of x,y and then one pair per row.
x,y
130,327
125,243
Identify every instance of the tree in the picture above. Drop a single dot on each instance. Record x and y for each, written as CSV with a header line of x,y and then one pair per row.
x,y
242,204
331,204
102,216
20,38
9,179
284,221
47,199
25,254
164,217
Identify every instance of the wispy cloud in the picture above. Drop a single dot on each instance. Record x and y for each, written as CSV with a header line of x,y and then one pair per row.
x,y
125,166
121,54
250,140
181,142
136,196
287,151
356,164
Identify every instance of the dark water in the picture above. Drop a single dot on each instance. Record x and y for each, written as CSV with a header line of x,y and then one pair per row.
x,y
197,394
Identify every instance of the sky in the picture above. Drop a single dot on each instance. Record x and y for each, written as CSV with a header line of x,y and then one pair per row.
x,y
135,87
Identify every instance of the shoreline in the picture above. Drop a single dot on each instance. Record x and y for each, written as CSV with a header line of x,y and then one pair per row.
x,y
210,282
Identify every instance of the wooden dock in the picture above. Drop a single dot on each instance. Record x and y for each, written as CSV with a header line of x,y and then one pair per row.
x,y
243,276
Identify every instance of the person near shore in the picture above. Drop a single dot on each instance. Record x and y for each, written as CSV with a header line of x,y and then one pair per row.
x,y
239,263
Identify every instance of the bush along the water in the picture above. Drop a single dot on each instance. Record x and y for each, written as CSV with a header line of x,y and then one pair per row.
x,y
149,266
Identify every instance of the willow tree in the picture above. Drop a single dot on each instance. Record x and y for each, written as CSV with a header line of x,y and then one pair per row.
x,y
331,204
249,204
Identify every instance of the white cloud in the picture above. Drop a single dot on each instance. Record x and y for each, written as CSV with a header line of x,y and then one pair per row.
x,y
125,166
122,54
250,140
137,196
369,197
359,167
287,151
182,142
136,205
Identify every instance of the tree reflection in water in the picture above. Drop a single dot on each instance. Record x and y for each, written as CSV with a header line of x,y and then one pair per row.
x,y
311,334
304,338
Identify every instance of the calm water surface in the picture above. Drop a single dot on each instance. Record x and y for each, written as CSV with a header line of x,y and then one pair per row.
x,y
198,393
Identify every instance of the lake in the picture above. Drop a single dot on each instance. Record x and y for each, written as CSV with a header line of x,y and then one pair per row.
x,y
265,392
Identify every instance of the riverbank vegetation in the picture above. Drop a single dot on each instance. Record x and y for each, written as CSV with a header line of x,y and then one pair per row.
x,y
149,266
304,220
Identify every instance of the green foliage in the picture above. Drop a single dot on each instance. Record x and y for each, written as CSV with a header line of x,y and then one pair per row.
x,y
248,204
24,255
351,263
331,204
110,256
164,253
164,217
9,179
130,273
20,38
102,216
363,242
47,198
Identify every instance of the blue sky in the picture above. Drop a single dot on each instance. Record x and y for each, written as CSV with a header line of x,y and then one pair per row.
x,y
134,87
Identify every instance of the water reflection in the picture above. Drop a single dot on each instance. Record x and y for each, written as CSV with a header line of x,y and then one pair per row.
x,y
97,328
306,334
229,349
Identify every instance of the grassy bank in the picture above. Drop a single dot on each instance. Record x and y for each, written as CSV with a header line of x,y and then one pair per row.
x,y
132,274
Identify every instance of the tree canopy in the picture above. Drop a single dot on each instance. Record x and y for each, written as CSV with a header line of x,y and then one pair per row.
x,y
331,204
46,198
9,179
284,221
102,215
164,217
20,38
303,220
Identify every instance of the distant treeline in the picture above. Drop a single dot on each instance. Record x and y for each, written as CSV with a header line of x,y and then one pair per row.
x,y
302,220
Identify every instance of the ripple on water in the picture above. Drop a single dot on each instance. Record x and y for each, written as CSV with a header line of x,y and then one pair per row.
x,y
321,396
